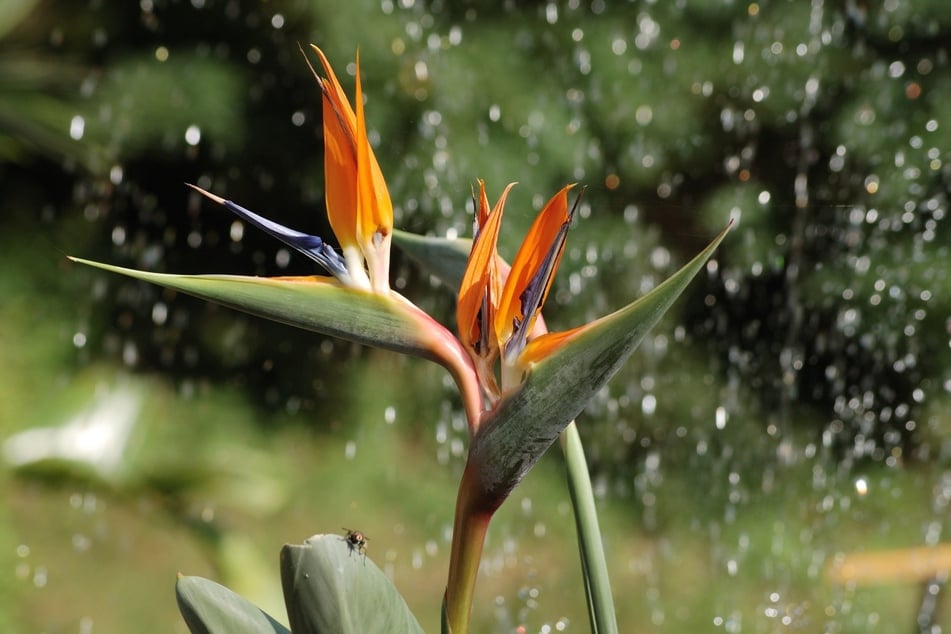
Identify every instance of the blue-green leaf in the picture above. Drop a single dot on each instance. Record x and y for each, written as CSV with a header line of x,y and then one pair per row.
x,y
211,608
445,258
331,587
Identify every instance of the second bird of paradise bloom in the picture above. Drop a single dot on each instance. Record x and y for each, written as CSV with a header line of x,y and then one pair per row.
x,y
499,307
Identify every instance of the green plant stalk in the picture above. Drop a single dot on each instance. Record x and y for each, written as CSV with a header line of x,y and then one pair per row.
x,y
594,566
468,538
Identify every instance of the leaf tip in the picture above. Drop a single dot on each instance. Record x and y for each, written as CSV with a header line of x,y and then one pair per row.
x,y
207,194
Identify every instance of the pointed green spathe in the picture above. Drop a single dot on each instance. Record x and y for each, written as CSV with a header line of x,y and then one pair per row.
x,y
528,420
319,304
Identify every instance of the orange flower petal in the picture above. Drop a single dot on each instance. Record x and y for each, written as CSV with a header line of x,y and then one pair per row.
x,y
533,271
374,217
543,345
340,155
482,213
478,293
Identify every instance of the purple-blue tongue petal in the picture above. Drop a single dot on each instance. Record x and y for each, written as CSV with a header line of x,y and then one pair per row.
x,y
311,246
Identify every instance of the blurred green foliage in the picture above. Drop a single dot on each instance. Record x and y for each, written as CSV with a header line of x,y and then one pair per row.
x,y
815,350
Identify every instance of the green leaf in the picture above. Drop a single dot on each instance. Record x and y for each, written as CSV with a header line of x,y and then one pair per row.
x,y
13,12
311,303
332,588
211,608
522,426
445,258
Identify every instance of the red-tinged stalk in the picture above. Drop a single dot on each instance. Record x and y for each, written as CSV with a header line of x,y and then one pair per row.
x,y
468,538
448,352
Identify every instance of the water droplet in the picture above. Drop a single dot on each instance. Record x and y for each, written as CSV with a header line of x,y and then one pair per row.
x,y
861,487
236,231
40,576
649,404
159,313
721,417
77,127
192,135
644,115
130,353
81,543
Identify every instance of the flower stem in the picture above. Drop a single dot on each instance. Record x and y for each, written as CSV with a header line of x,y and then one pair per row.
x,y
593,564
468,538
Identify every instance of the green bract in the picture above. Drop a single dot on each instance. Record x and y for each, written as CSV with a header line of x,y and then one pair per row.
x,y
523,425
515,434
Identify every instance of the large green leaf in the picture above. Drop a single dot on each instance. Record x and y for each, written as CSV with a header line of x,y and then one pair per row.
x,y
525,423
330,587
312,303
211,608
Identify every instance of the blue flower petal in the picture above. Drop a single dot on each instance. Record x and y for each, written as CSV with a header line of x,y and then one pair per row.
x,y
311,246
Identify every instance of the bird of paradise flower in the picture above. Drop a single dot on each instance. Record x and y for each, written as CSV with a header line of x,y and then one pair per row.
x,y
521,386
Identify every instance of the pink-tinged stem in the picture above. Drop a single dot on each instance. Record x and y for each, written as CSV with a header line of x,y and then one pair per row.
x,y
457,361
468,538
449,353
